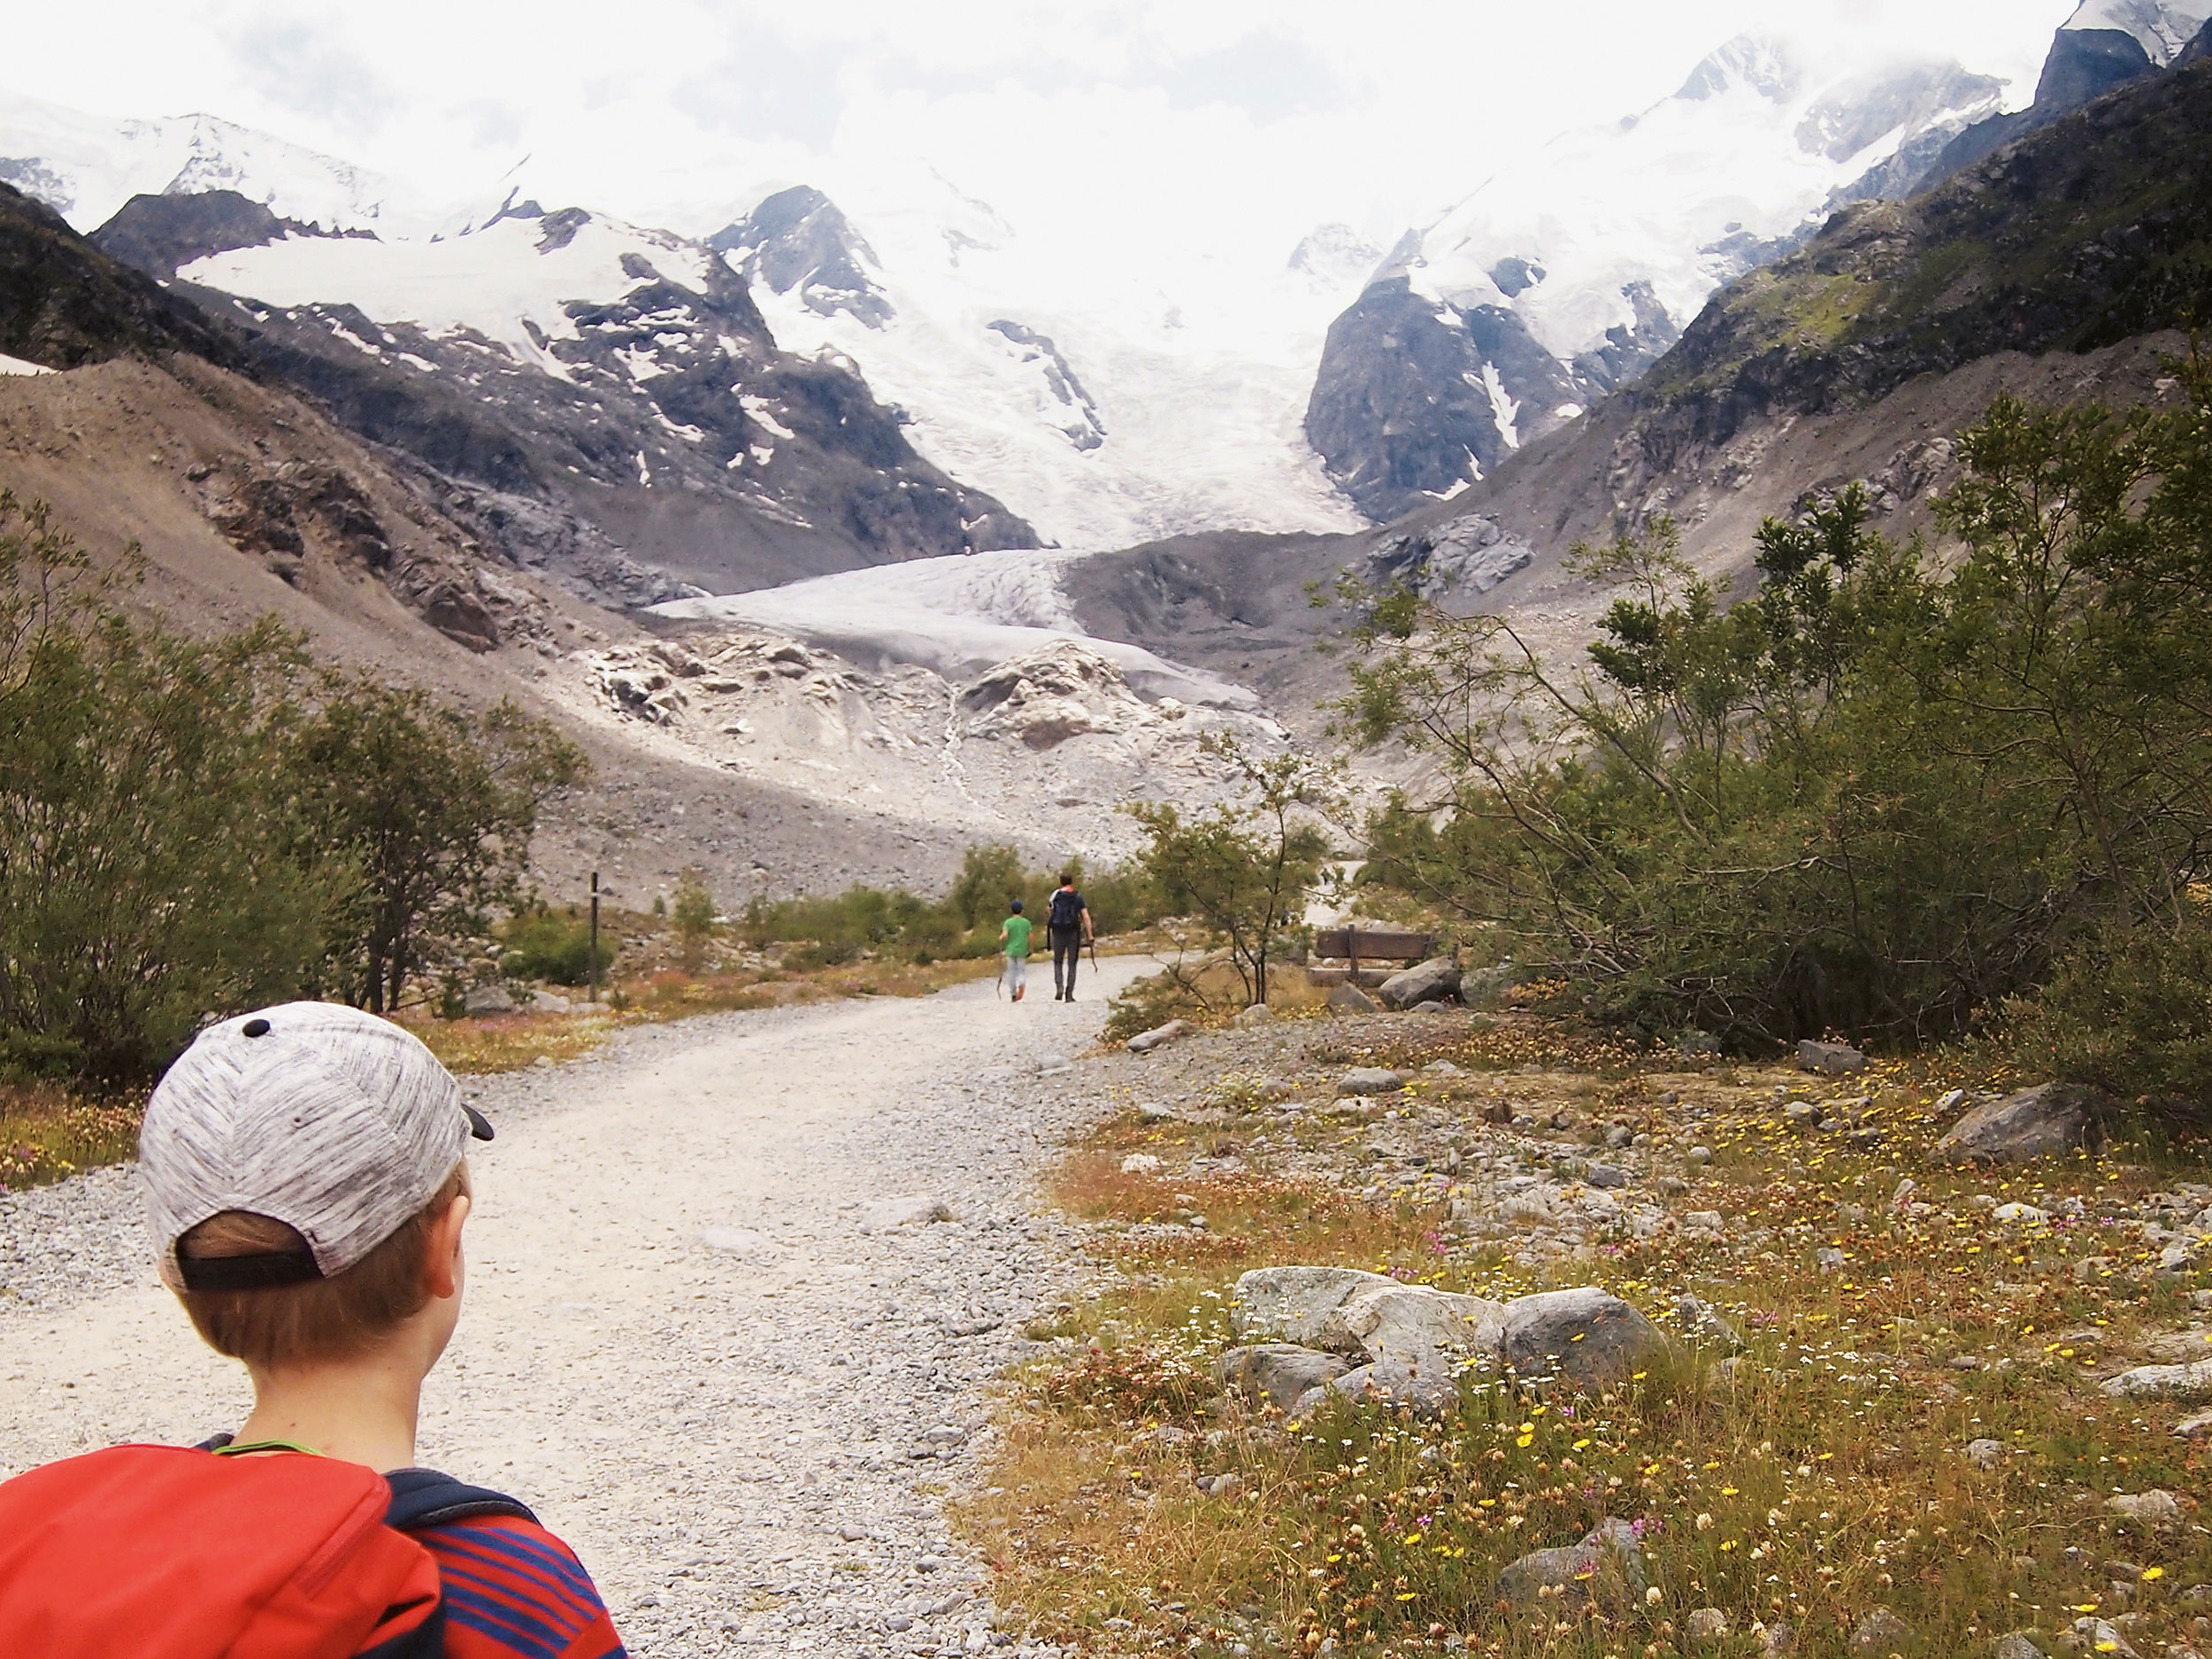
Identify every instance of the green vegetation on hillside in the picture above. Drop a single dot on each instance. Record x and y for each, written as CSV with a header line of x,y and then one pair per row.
x,y
2091,230
1876,796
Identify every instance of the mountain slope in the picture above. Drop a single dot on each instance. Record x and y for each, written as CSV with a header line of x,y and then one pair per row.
x,y
1562,280
2063,269
1105,405
621,377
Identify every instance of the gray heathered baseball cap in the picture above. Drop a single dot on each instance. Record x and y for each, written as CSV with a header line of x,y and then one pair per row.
x,y
337,1123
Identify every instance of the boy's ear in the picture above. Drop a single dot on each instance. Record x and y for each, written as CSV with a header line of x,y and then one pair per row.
x,y
441,1255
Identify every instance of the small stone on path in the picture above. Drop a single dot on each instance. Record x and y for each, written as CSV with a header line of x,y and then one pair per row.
x,y
894,1213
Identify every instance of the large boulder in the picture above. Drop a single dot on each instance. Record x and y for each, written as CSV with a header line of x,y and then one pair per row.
x,y
1294,1304
1829,1059
1430,981
2035,1122
1406,1343
1349,999
1585,1335
1281,1373
1417,1328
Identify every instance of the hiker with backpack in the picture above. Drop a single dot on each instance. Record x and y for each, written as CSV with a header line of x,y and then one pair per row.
x,y
1068,922
1013,939
305,1180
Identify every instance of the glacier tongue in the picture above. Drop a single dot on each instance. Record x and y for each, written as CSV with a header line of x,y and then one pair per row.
x,y
957,615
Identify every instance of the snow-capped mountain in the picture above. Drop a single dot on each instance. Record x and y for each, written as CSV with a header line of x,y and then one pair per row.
x,y
86,166
1104,408
1561,280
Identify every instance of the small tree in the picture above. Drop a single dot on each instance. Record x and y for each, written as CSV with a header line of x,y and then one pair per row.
x,y
694,914
145,820
1244,868
433,806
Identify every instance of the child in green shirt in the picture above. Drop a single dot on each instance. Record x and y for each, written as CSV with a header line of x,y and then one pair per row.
x,y
1013,939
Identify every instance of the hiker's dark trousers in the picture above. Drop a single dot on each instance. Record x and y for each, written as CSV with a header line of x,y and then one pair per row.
x,y
1067,953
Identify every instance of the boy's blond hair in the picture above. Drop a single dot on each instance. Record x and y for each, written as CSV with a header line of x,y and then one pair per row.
x,y
321,1319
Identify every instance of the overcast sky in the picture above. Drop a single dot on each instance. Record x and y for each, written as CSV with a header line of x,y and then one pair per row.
x,y
1261,117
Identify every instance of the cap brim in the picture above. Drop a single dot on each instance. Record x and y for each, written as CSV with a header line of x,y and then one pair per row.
x,y
479,1127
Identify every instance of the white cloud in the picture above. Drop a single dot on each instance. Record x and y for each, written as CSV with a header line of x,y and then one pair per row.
x,y
1238,123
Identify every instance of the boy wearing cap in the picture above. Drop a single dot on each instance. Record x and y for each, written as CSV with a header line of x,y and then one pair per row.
x,y
306,1187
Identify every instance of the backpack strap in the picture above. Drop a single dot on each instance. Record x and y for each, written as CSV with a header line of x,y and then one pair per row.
x,y
424,1498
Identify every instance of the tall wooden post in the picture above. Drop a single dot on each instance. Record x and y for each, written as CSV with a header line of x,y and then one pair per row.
x,y
594,935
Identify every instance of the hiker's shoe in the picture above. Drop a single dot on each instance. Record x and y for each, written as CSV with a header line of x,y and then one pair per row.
x,y
1017,994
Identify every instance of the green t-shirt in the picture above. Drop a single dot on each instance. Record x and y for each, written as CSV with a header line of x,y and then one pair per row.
x,y
1017,935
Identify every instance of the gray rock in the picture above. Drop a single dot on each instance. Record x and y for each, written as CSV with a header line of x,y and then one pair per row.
x,y
1146,1041
2150,1508
1349,999
1280,1372
1417,1330
1829,1059
1607,1175
1141,1164
1430,981
487,999
1584,1335
2171,1382
1698,1156
1984,1455
1828,1259
545,1003
1430,1007
1775,1639
2013,1645
1292,1304
1706,1624
890,1214
2101,1638
1702,1324
2197,1427
1369,1080
1607,1568
1258,1014
2035,1122
1801,1116
1879,1631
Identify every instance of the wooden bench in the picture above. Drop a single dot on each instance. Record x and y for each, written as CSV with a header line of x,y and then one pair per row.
x,y
1357,947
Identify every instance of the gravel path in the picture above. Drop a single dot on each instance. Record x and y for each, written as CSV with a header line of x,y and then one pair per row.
x,y
687,1342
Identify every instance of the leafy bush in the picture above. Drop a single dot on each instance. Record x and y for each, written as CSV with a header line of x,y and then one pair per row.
x,y
554,946
192,827
2129,1010
1878,795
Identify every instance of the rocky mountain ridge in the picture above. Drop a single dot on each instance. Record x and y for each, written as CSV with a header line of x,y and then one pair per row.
x,y
1564,278
612,410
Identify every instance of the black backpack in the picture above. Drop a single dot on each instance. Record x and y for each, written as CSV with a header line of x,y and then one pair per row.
x,y
1067,909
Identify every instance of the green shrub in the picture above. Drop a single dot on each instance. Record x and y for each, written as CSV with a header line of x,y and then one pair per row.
x,y
1876,797
554,946
2129,1010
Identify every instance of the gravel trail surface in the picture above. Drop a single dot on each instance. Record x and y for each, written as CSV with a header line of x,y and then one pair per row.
x,y
693,1340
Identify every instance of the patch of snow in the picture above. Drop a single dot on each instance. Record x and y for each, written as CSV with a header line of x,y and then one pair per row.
x,y
644,472
493,282
17,365
1504,410
758,409
414,361
2162,27
1568,411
